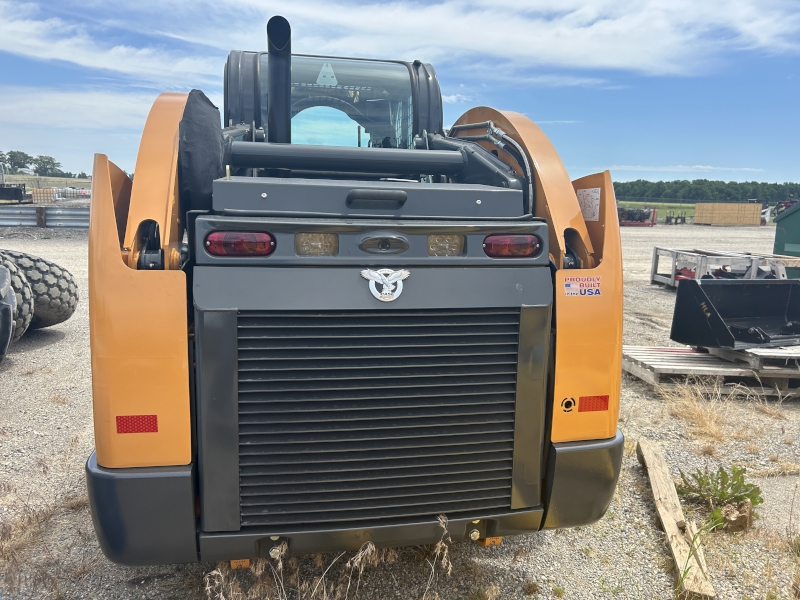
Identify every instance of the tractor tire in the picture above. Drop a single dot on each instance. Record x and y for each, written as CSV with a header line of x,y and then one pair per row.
x,y
55,293
24,297
8,306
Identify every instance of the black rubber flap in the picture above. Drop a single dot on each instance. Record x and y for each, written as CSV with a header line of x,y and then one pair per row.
x,y
718,313
201,152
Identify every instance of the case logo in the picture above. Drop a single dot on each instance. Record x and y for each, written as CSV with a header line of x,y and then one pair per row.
x,y
391,282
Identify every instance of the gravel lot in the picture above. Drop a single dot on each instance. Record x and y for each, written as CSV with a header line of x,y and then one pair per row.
x,y
46,434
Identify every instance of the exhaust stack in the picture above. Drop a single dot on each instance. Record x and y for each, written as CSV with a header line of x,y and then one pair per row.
x,y
279,82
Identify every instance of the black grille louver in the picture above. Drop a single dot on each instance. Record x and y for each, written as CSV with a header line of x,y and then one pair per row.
x,y
354,417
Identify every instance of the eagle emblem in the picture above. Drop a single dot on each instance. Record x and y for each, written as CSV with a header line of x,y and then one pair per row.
x,y
391,282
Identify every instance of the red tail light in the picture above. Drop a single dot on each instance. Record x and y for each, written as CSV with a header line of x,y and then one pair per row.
x,y
240,243
512,246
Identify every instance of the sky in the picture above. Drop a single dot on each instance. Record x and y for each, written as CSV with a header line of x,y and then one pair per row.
x,y
649,89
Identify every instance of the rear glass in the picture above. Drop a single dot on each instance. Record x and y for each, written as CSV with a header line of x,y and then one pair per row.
x,y
346,102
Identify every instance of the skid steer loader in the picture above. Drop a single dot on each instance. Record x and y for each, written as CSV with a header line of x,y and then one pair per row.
x,y
325,343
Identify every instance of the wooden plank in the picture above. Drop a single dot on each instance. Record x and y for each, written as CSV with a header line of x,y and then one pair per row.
x,y
737,356
640,372
692,572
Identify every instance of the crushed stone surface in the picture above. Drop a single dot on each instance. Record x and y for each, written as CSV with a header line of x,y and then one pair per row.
x,y
46,435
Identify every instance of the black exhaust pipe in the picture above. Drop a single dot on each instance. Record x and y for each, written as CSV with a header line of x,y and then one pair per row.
x,y
279,82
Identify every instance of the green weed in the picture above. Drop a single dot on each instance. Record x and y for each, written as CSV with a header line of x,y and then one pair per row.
x,y
718,488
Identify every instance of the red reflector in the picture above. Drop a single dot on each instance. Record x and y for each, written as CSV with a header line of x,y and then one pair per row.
x,y
512,246
137,424
240,243
592,403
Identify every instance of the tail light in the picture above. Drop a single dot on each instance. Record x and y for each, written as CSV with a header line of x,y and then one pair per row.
x,y
240,243
512,246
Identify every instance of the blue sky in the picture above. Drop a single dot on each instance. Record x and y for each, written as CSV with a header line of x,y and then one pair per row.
x,y
651,89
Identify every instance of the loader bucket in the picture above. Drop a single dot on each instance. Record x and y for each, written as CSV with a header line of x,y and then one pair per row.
x,y
719,313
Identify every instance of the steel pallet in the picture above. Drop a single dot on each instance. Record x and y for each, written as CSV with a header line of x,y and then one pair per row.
x,y
705,263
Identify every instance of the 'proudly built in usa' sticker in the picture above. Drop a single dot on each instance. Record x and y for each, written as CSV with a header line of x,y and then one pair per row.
x,y
582,286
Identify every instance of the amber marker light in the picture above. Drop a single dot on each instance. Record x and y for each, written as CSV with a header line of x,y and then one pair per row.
x,y
316,244
240,243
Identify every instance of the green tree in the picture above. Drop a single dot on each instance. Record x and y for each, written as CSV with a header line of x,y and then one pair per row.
x,y
18,160
46,165
704,190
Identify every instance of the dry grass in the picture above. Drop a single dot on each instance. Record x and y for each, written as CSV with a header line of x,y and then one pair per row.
x,y
29,558
708,450
73,502
752,448
702,406
630,447
321,577
771,409
6,488
531,587
782,469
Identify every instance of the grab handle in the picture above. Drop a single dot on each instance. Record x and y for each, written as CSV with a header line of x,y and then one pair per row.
x,y
380,199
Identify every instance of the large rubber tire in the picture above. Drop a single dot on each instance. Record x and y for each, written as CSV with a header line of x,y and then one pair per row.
x,y
8,306
24,295
55,293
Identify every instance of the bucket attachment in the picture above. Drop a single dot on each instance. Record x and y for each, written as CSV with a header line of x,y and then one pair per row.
x,y
735,314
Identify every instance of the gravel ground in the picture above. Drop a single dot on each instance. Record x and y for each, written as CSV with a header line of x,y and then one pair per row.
x,y
46,434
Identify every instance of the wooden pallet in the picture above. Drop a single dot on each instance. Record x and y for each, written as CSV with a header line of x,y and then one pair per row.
x,y
758,358
671,366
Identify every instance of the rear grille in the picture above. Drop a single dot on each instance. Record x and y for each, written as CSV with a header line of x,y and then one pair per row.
x,y
350,418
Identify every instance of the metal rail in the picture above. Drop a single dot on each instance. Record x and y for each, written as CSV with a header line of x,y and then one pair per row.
x,y
52,217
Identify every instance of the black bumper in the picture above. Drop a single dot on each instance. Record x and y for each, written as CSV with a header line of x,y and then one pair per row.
x,y
143,516
147,515
581,479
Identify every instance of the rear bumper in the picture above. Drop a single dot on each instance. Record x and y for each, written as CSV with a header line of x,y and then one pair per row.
x,y
143,516
147,515
581,479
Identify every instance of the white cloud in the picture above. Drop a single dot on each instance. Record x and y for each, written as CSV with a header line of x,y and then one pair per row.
x,y
79,122
650,36
455,98
645,36
76,108
684,169
53,38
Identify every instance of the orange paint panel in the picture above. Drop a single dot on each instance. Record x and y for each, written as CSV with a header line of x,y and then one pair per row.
x,y
589,329
138,319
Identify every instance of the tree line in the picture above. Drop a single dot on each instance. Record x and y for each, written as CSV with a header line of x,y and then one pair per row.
x,y
705,190
15,162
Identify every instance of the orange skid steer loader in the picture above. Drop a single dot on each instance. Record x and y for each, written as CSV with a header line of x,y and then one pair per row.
x,y
327,343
